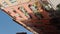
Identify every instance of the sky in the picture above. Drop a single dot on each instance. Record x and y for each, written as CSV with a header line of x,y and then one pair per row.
x,y
8,26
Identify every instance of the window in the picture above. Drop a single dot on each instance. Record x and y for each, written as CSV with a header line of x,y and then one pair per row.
x,y
2,7
58,6
9,12
30,16
17,14
35,10
14,17
38,15
14,11
12,1
4,4
24,11
23,1
46,5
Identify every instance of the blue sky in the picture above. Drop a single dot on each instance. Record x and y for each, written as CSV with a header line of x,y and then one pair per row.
x,y
8,26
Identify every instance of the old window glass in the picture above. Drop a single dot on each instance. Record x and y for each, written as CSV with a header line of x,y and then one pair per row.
x,y
35,10
4,4
2,7
12,1
24,11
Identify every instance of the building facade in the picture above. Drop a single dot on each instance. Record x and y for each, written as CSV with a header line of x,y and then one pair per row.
x,y
28,13
54,3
